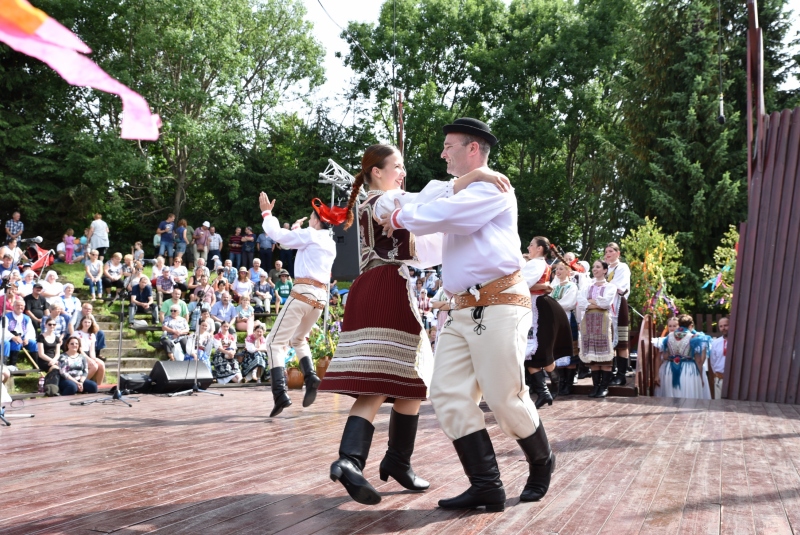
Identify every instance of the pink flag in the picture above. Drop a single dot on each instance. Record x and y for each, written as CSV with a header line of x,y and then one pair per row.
x,y
77,69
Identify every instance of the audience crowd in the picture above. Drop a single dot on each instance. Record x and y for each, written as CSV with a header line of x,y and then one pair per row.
x,y
202,288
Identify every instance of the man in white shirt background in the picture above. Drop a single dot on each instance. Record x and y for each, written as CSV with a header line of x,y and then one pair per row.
x,y
719,351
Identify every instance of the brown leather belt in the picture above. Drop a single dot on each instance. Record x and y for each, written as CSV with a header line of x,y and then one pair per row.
x,y
311,282
491,294
307,300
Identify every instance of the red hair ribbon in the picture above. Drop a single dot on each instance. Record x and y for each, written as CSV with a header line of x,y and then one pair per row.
x,y
333,215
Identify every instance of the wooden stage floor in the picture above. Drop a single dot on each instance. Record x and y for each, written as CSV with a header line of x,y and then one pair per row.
x,y
218,465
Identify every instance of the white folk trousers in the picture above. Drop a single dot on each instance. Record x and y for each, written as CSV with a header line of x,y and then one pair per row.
x,y
293,325
472,362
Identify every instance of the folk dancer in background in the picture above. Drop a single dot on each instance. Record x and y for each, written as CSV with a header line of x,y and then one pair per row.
x,y
316,252
481,350
596,337
620,275
719,350
550,335
565,292
685,350
384,355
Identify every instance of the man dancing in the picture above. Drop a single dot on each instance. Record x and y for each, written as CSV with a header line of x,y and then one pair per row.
x,y
316,251
481,351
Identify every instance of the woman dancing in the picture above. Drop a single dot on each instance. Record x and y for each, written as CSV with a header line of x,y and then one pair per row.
x,y
383,353
550,333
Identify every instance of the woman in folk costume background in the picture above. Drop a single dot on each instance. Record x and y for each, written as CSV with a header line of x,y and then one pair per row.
x,y
619,274
316,251
565,292
685,351
384,354
550,335
596,336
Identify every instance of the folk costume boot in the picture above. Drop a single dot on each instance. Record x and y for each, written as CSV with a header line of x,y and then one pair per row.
x,y
541,462
353,452
311,380
622,369
476,454
280,394
397,461
596,383
567,380
605,380
555,382
583,371
539,387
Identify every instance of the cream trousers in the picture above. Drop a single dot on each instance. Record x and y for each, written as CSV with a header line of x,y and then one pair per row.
x,y
292,326
717,388
486,362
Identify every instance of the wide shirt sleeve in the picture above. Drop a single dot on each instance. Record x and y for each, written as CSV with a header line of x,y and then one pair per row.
x,y
462,214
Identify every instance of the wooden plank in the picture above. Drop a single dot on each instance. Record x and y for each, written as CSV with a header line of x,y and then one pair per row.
x,y
736,334
737,511
703,511
786,313
779,447
771,516
775,253
760,304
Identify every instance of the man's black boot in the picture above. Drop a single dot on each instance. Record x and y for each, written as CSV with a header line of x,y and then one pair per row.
x,y
280,394
311,380
541,462
477,456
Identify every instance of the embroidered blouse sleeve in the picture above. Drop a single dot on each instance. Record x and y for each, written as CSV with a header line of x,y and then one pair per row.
x,y
533,270
583,300
569,300
607,299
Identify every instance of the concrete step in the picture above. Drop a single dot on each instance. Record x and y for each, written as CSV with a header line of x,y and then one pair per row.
x,y
131,363
127,345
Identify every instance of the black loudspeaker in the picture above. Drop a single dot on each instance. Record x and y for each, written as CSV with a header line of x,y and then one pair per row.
x,y
346,265
135,383
174,376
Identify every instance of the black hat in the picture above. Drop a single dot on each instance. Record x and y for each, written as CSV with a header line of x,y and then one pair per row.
x,y
473,127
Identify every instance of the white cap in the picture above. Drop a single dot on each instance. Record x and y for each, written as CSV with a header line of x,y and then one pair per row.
x,y
206,224
215,257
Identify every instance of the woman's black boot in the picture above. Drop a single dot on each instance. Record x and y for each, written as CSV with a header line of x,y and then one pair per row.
x,y
311,381
596,382
539,386
622,369
583,371
541,462
477,456
353,452
605,380
556,376
280,394
567,380
397,461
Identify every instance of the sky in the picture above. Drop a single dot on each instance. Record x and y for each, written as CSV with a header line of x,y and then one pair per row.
x,y
344,11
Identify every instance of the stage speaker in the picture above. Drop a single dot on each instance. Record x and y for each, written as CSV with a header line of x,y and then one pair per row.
x,y
176,375
346,265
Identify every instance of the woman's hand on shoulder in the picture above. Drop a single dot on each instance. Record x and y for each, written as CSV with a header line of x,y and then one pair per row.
x,y
483,174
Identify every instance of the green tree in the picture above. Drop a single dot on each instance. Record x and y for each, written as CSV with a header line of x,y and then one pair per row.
x,y
655,260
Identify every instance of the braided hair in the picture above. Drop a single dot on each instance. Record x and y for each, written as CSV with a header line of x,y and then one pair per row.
x,y
374,156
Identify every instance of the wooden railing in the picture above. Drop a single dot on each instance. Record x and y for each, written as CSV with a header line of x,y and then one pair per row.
x,y
646,367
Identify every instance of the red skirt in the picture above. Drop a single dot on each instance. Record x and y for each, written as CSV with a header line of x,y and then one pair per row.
x,y
381,334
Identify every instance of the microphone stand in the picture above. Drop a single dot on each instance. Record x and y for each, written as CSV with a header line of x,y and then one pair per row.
x,y
195,387
118,394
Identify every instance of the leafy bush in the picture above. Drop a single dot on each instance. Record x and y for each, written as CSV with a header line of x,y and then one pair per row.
x,y
655,262
719,278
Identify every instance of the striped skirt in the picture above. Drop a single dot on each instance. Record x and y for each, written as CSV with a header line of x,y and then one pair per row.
x,y
622,323
381,350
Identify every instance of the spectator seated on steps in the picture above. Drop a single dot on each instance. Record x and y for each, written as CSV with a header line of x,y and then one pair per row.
x,y
174,300
74,370
142,301
100,337
176,330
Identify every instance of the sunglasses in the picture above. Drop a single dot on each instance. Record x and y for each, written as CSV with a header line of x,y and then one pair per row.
x,y
51,324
